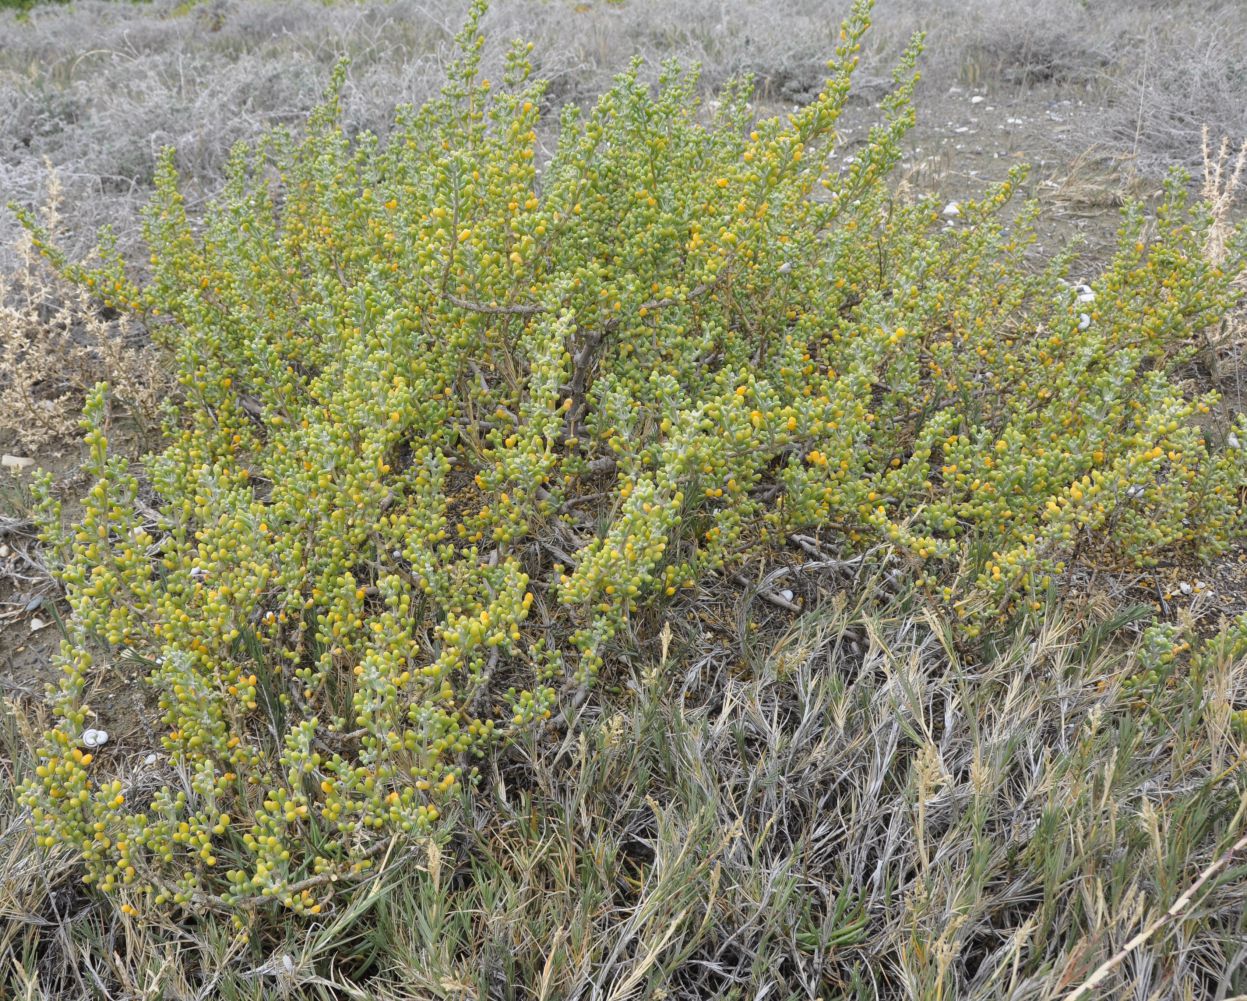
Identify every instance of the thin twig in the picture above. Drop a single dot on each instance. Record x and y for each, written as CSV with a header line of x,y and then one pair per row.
x,y
777,600
480,307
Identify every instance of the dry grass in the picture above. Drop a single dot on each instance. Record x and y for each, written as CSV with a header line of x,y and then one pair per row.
x,y
840,806
1187,70
1222,181
55,344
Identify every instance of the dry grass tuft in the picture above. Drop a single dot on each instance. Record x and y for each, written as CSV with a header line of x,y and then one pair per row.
x,y
1222,181
1223,175
55,344
1180,68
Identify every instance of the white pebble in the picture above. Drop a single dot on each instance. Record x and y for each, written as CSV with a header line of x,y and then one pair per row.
x,y
16,462
977,99
94,738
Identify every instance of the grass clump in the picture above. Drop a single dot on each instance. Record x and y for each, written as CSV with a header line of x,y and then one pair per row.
x,y
840,807
455,430
54,347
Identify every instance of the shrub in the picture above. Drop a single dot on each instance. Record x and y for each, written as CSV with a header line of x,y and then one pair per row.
x,y
454,425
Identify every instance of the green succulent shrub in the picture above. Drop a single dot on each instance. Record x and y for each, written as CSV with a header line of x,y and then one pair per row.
x,y
451,419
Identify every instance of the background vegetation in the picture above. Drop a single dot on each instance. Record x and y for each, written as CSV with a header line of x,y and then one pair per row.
x,y
99,88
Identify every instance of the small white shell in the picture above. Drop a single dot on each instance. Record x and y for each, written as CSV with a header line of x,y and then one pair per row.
x,y
1231,439
94,738
952,210
37,623
786,594
1084,321
977,99
1085,293
150,759
1184,587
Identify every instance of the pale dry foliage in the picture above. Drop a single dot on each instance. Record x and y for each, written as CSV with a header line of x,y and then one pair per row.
x,y
55,344
1223,176
1222,182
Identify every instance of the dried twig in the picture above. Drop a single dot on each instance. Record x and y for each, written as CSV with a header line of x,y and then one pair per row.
x,y
779,601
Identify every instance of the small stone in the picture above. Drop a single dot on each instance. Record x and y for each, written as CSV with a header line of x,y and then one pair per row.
x,y
16,462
